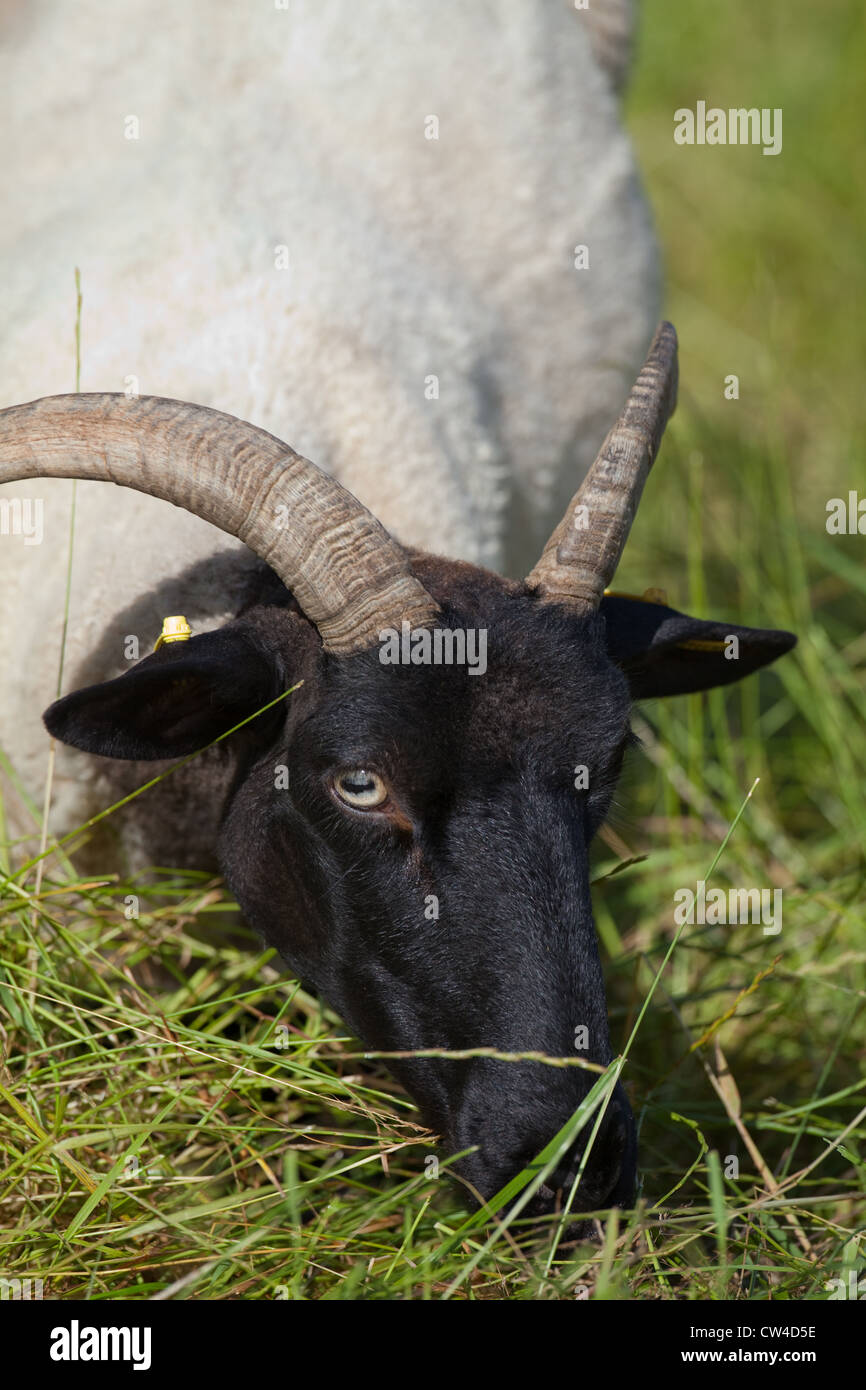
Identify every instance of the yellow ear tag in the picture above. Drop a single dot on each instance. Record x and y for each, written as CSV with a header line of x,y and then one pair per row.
x,y
648,596
699,645
175,629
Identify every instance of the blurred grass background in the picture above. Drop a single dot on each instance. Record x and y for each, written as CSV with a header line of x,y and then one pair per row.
x,y
219,1136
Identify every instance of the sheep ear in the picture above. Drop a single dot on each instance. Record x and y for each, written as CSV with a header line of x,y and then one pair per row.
x,y
663,652
173,702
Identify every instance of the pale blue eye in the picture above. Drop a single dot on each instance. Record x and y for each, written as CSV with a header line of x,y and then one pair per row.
x,y
361,789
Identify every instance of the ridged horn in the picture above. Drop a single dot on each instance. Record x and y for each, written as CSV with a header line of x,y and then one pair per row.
x,y
580,559
349,576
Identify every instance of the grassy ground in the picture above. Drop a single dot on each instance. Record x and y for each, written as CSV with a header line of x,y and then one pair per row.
x,y
217,1135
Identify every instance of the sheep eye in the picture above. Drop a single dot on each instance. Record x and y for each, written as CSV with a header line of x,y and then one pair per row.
x,y
361,789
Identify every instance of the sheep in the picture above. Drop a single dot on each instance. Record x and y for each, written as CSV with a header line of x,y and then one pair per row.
x,y
412,840
263,225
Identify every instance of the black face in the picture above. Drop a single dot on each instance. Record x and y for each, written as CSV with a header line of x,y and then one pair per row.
x,y
426,869
414,839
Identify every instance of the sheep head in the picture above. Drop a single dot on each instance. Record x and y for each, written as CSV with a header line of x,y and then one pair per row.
x,y
424,861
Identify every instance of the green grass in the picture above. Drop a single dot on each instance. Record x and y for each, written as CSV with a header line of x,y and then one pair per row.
x,y
181,1120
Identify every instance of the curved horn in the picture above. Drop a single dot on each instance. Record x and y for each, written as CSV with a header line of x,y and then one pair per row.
x,y
349,576
580,559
